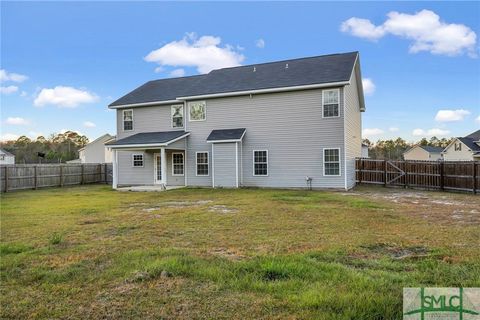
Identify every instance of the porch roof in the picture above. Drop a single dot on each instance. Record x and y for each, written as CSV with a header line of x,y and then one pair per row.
x,y
226,135
148,139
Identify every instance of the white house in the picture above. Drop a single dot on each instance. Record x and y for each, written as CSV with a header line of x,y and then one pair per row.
x,y
6,157
95,151
464,148
420,152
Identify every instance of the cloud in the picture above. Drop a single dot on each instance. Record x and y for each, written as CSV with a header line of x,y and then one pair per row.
x,y
8,90
451,115
17,121
34,134
425,30
159,69
393,129
368,86
8,137
260,43
177,73
369,132
89,124
204,54
15,77
477,119
430,132
64,97
23,94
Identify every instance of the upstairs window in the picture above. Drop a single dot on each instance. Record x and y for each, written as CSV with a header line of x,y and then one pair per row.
x,y
137,160
458,146
177,116
330,103
202,163
331,162
177,164
198,111
127,120
260,163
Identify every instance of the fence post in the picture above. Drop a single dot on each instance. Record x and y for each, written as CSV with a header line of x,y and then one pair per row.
x,y
385,172
360,173
406,174
442,176
83,171
35,177
61,175
6,179
105,173
474,178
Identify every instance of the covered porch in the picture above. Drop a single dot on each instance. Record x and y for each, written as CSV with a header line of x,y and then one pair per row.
x,y
153,160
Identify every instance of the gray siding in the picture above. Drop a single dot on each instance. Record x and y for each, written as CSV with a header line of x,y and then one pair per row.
x,y
129,175
95,152
224,160
353,129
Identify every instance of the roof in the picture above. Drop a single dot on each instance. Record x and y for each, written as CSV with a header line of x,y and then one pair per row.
x,y
470,143
432,149
149,138
225,135
5,152
106,135
474,135
287,73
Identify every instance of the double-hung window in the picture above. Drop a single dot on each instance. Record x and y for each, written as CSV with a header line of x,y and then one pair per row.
x,y
177,164
177,116
127,120
137,160
331,162
260,163
202,163
198,110
330,103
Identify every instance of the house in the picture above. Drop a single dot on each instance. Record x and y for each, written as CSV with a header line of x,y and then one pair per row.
x,y
464,148
95,151
278,124
6,157
419,152
365,151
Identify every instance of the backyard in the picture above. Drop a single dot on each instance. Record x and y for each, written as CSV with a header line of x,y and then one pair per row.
x,y
90,252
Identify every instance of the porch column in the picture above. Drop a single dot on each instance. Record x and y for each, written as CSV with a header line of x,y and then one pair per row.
x,y
163,159
115,169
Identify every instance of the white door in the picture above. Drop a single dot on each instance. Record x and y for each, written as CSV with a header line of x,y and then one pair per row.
x,y
157,168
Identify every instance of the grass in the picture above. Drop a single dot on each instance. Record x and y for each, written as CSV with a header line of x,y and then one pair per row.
x,y
90,252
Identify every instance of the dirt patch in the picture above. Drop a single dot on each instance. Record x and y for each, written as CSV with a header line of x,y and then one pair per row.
x,y
222,209
398,252
230,254
173,204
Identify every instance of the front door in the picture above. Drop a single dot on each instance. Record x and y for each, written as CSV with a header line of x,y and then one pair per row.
x,y
157,168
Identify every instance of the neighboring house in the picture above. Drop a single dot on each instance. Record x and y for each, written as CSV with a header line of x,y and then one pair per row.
x,y
464,148
95,151
420,152
364,151
274,124
6,157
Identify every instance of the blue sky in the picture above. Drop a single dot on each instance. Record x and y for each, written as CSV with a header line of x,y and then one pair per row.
x,y
63,63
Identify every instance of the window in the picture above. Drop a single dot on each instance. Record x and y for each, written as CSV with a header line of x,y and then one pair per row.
x,y
127,120
458,146
260,163
330,103
137,160
2,157
177,116
198,111
331,162
202,163
177,164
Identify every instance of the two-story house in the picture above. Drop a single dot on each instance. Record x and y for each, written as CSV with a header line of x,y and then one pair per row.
x,y
280,124
464,148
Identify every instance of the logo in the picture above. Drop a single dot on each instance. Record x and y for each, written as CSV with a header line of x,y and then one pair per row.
x,y
441,303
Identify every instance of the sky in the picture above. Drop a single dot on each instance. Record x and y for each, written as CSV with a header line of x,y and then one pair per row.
x,y
62,63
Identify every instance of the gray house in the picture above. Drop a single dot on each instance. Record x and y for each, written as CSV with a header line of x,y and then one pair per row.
x,y
274,124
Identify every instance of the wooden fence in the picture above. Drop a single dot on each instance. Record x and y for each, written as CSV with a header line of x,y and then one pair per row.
x,y
33,176
435,175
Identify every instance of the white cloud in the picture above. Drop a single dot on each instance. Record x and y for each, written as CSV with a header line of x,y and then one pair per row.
x,y
393,129
477,119
204,53
368,86
23,94
260,43
89,124
8,137
177,73
17,121
424,28
418,132
10,76
451,115
159,69
61,96
34,134
369,132
8,90
430,132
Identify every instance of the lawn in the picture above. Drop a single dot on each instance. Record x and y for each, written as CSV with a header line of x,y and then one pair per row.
x,y
90,252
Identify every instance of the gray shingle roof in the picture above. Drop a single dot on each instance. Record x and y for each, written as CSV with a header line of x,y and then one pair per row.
x,y
5,152
474,135
470,143
303,71
226,134
432,149
148,138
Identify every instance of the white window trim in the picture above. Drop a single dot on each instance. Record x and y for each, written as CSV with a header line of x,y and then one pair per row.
x,y
323,103
268,166
189,106
143,160
123,119
171,116
339,163
183,165
196,164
